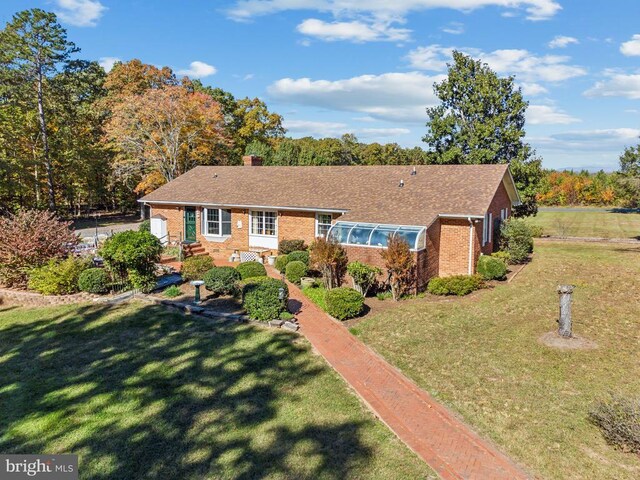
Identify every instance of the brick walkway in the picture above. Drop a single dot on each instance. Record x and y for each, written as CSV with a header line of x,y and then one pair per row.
x,y
449,446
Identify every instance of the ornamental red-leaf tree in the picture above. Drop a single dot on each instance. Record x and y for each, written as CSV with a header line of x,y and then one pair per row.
x,y
398,260
29,239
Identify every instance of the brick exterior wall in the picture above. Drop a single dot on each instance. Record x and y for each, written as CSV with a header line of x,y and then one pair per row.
x,y
291,225
500,200
447,251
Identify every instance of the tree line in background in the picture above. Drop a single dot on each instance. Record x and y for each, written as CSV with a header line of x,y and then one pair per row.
x,y
74,137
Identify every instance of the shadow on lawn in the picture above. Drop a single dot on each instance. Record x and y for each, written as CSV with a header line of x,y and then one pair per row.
x,y
157,395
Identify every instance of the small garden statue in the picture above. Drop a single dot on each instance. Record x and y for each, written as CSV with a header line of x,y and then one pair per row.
x,y
564,321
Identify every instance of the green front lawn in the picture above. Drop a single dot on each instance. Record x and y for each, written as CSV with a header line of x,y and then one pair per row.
x,y
588,222
140,392
481,356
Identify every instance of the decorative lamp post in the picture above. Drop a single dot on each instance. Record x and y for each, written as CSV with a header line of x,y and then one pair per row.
x,y
564,321
197,284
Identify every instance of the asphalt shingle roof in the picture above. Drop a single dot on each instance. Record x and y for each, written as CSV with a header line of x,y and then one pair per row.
x,y
366,193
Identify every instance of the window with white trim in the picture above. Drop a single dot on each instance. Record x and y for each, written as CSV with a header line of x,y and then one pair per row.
x,y
504,213
487,229
263,223
323,224
217,222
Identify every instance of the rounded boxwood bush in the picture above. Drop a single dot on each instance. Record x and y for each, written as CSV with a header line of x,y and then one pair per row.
x,y
299,256
194,268
94,280
491,268
343,303
295,271
455,285
251,269
281,262
261,299
221,280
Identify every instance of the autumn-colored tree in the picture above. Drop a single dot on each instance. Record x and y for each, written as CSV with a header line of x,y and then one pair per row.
x,y
135,78
581,188
400,266
29,239
330,259
168,130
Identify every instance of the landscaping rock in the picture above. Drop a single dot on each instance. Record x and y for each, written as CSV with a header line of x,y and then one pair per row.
x,y
276,323
193,309
294,327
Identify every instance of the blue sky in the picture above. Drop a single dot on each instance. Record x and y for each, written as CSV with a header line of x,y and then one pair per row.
x,y
367,67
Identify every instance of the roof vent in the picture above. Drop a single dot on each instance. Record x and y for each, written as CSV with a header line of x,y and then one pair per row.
x,y
215,175
414,172
401,184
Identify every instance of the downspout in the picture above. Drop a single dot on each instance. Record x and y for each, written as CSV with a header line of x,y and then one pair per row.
x,y
470,245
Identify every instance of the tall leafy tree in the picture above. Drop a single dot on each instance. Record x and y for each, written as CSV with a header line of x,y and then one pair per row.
x,y
168,130
481,120
33,49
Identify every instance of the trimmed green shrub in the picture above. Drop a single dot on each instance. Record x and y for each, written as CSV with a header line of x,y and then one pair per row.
x,y
262,300
455,285
287,316
344,303
363,275
133,255
491,268
94,280
299,256
221,280
143,281
618,418
145,226
295,271
57,277
502,255
281,262
288,246
251,269
536,231
172,292
194,268
516,239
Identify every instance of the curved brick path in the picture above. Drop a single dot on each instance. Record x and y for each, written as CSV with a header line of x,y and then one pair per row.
x,y
449,446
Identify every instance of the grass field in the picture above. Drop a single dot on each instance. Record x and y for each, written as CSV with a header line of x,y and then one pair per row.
x,y
481,356
588,222
139,392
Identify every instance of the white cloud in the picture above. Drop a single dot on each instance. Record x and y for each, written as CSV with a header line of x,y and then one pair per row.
x,y
246,9
525,65
613,139
108,62
453,28
532,89
389,96
548,115
316,129
337,129
198,69
632,47
354,31
617,84
561,41
80,13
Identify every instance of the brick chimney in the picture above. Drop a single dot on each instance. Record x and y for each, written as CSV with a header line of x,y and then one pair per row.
x,y
252,161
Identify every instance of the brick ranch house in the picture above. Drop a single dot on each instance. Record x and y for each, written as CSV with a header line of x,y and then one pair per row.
x,y
449,214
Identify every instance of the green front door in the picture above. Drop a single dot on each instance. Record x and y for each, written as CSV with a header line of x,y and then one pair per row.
x,y
190,224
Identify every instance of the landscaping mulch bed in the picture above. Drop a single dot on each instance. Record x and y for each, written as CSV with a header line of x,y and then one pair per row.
x,y
225,304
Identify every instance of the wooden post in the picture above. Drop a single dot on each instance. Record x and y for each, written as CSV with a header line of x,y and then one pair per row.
x,y
564,321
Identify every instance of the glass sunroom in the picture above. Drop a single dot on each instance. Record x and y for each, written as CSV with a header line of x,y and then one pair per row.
x,y
376,234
